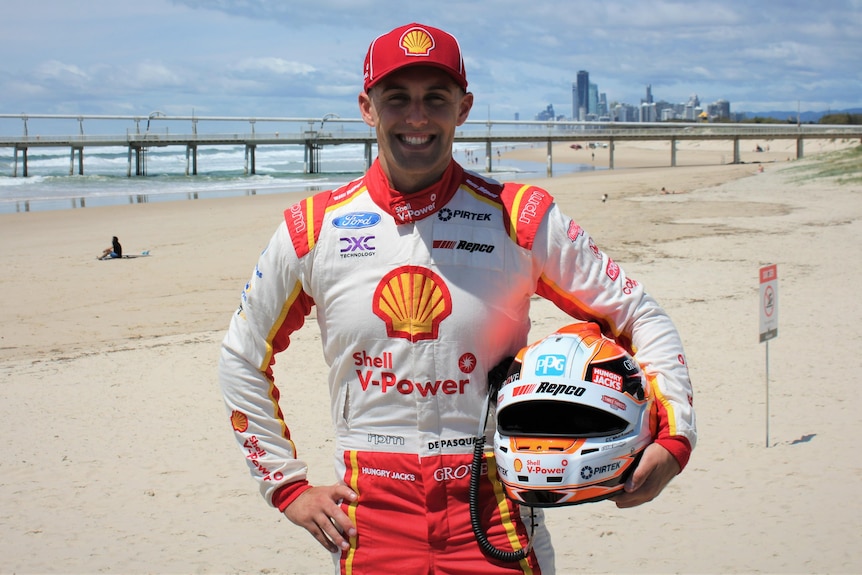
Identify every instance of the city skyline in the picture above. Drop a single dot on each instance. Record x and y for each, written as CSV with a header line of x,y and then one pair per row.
x,y
252,57
591,104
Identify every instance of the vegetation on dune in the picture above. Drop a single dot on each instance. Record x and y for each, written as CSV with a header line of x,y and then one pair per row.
x,y
845,166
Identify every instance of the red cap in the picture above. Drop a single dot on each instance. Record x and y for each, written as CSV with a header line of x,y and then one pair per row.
x,y
414,45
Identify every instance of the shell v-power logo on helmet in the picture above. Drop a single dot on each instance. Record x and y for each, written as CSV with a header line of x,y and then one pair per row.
x,y
412,301
417,42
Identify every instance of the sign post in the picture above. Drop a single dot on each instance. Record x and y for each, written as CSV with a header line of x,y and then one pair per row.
x,y
768,320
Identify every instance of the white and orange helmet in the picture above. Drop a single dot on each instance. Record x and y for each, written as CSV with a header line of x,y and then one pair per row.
x,y
573,420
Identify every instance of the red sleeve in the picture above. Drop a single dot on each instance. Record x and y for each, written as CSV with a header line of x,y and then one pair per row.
x,y
287,494
526,206
679,447
304,220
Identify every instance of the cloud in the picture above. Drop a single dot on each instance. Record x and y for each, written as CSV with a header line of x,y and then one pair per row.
x,y
305,58
55,69
273,65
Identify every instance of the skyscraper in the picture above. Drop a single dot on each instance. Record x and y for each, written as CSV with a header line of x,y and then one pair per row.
x,y
583,92
575,103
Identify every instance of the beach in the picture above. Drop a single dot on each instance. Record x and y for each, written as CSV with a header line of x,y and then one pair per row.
x,y
118,455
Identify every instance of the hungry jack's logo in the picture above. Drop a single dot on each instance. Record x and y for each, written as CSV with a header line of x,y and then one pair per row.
x,y
417,42
412,301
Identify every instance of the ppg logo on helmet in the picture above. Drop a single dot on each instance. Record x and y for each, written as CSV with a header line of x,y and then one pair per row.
x,y
551,365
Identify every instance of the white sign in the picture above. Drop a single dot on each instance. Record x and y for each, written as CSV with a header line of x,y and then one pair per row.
x,y
768,302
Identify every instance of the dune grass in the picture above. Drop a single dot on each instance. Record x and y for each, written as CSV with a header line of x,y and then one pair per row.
x,y
844,166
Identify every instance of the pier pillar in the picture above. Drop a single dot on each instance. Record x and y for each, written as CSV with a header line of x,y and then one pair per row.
x,y
80,152
736,150
250,159
192,155
140,161
611,154
800,151
673,152
24,167
312,157
550,158
368,158
488,156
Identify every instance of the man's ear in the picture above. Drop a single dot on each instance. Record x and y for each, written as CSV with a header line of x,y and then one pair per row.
x,y
365,108
466,106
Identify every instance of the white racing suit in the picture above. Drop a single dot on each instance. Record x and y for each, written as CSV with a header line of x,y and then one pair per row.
x,y
418,296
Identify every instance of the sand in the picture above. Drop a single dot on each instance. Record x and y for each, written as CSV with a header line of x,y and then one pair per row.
x,y
117,455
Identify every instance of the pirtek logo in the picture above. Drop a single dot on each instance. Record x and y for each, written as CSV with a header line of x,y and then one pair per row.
x,y
587,472
445,214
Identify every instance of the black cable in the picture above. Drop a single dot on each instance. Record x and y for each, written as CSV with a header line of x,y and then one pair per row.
x,y
487,547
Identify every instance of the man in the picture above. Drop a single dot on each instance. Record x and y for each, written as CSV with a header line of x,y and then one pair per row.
x,y
422,275
115,251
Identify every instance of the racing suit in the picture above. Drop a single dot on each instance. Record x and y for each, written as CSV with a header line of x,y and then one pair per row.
x,y
418,296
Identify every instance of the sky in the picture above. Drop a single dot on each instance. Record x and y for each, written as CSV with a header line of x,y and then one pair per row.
x,y
293,58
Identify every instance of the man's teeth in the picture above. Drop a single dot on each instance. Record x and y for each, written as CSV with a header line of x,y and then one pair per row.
x,y
415,140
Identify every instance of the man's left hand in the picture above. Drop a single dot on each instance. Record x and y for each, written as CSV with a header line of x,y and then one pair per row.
x,y
656,469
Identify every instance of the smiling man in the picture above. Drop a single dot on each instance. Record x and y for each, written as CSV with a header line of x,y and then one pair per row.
x,y
415,106
422,275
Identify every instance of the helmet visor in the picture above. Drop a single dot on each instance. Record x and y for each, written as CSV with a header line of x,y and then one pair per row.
x,y
558,419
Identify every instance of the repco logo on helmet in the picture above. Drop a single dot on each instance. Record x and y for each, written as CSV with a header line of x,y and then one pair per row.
x,y
560,389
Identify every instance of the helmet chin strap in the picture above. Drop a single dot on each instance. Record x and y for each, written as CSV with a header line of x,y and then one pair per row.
x,y
496,378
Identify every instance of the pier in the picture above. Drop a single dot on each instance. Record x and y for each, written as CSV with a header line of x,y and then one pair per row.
x,y
139,134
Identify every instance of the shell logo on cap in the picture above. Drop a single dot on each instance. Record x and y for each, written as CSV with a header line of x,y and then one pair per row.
x,y
417,42
412,301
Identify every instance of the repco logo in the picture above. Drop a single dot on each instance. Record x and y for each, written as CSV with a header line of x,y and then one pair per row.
x,y
560,389
474,247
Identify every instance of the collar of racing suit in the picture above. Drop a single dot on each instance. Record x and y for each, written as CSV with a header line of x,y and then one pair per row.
x,y
407,208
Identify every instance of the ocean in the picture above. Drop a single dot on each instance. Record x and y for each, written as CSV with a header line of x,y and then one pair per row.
x,y
279,169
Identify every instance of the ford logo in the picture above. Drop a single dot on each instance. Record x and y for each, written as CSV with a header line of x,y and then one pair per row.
x,y
356,220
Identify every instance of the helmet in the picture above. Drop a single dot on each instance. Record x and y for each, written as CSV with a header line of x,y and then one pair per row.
x,y
573,420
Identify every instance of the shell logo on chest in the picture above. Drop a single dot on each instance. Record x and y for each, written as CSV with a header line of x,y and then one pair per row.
x,y
412,301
